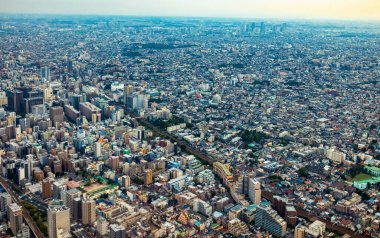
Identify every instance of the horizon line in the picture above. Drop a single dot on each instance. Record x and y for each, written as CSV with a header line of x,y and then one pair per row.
x,y
316,19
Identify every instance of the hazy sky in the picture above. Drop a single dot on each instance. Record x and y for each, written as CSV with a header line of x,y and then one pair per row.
x,y
307,9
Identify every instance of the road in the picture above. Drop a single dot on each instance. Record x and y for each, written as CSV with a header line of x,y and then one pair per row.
x,y
183,144
269,196
28,219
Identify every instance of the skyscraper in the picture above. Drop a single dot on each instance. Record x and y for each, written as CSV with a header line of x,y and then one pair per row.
x,y
58,220
47,191
125,181
70,196
76,209
56,115
148,177
15,217
128,90
254,190
88,212
117,231
98,149
262,28
45,73
101,225
5,200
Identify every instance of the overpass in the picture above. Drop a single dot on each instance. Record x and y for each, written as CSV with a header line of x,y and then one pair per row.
x,y
28,219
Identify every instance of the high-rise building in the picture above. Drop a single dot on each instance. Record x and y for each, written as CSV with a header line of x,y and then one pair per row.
x,y
137,101
5,200
45,73
88,212
117,231
279,205
254,188
98,149
76,209
90,111
113,162
291,215
29,103
71,113
268,219
148,177
125,181
101,225
300,231
70,196
56,115
47,191
262,28
15,217
202,207
58,220
15,100
242,185
58,190
77,99
29,167
128,90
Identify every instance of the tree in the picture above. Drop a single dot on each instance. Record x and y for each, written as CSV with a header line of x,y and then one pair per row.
x,y
303,172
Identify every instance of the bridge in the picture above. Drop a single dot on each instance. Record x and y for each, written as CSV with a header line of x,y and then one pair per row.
x,y
28,219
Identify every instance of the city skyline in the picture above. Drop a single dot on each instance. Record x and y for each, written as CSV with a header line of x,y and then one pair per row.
x,y
366,10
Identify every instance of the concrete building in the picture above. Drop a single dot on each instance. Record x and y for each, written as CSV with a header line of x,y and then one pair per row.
x,y
47,191
223,171
117,231
58,219
90,111
202,207
254,191
101,225
238,228
15,217
56,115
88,212
268,219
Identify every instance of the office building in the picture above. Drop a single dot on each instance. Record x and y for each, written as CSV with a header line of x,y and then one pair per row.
x,y
148,177
47,191
101,225
125,181
45,73
254,191
5,200
88,212
117,231
29,103
72,114
128,90
56,115
76,209
58,220
70,196
15,217
90,111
